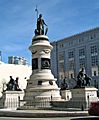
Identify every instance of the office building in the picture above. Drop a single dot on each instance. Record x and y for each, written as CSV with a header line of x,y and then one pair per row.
x,y
17,60
70,54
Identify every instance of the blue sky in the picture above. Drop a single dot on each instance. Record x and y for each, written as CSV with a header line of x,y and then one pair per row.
x,y
63,17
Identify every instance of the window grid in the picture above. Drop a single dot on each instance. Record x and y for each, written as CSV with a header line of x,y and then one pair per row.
x,y
93,49
61,56
71,65
82,52
94,60
82,62
71,54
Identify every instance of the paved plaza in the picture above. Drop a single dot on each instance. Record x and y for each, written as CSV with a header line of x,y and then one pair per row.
x,y
41,113
56,118
10,118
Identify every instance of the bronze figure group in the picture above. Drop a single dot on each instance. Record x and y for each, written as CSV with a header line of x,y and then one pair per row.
x,y
13,85
83,79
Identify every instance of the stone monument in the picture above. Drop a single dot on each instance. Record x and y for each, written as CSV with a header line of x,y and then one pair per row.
x,y
65,90
83,93
82,97
12,95
41,87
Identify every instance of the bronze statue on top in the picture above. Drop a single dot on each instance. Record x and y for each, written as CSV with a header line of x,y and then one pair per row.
x,y
40,26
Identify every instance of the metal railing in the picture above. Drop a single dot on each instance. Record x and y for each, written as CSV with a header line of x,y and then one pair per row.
x,y
36,103
29,103
42,102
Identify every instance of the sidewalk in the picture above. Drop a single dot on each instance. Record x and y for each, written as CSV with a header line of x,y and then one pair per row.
x,y
41,113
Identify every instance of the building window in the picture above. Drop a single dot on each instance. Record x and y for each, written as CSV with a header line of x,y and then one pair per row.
x,y
61,45
94,60
92,36
70,43
71,75
82,52
82,62
81,40
61,70
61,67
61,56
71,65
94,73
71,54
93,49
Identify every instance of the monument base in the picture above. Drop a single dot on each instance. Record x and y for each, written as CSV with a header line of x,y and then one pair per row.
x,y
82,97
66,94
11,99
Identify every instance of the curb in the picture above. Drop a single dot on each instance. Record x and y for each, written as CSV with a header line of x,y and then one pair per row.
x,y
40,114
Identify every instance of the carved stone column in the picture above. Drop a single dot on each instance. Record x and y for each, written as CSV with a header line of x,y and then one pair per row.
x,y
41,87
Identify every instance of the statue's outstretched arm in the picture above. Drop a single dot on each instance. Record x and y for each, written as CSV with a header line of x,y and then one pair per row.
x,y
45,24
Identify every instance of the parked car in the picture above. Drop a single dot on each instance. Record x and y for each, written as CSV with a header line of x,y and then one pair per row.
x,y
94,108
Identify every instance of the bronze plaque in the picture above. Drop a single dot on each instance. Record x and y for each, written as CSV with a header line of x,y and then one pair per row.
x,y
45,63
34,63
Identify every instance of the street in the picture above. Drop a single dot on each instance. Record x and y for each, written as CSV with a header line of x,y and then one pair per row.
x,y
56,118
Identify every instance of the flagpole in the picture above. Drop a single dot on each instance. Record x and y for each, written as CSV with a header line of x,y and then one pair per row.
x,y
36,11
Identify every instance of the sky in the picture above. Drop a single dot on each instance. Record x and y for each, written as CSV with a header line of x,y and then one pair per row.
x,y
63,17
